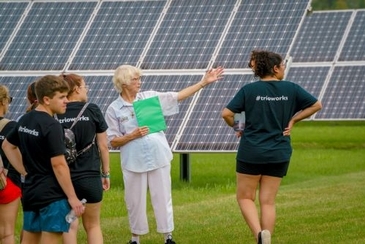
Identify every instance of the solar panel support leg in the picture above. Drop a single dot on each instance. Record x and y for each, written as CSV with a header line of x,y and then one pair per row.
x,y
185,174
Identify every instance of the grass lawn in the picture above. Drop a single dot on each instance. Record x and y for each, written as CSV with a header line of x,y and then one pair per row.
x,y
321,200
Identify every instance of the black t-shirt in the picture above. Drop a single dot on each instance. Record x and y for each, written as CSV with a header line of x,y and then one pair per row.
x,y
12,173
90,123
39,138
269,106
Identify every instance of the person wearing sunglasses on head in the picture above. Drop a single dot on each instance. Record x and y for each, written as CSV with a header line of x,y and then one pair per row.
x,y
10,192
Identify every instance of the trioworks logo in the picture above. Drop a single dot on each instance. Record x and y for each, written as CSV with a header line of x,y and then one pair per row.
x,y
266,98
28,131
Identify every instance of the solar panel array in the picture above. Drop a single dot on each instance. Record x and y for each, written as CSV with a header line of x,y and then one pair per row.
x,y
174,42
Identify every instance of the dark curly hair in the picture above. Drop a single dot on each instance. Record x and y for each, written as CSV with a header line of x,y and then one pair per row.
x,y
262,62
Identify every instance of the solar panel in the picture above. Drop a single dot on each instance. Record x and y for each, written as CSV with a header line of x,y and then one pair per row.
x,y
118,35
353,49
10,14
310,78
47,36
188,34
205,130
101,90
320,36
269,25
345,94
18,90
185,35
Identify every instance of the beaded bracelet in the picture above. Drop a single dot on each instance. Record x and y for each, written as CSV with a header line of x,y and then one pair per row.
x,y
105,175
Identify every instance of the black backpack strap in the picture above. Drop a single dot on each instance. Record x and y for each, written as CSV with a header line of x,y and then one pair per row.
x,y
3,122
79,115
87,147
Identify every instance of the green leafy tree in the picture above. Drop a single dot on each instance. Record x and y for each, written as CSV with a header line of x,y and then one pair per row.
x,y
337,4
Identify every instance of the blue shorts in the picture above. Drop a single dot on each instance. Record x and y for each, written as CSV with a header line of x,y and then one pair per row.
x,y
270,169
48,219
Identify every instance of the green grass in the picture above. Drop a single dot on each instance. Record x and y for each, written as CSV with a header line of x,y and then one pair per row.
x,y
321,200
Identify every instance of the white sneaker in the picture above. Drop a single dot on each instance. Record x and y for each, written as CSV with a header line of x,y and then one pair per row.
x,y
265,237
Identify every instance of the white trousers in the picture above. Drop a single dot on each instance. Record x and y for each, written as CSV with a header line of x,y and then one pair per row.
x,y
158,182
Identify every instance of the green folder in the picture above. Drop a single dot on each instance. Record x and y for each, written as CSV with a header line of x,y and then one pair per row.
x,y
149,113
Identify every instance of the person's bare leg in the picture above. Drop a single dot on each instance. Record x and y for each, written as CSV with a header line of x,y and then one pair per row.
x,y
91,222
8,215
269,187
70,237
246,194
51,237
31,237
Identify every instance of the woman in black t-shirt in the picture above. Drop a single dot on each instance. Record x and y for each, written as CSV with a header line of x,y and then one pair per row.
x,y
272,106
88,176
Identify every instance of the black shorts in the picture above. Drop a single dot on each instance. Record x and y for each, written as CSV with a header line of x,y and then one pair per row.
x,y
270,169
89,188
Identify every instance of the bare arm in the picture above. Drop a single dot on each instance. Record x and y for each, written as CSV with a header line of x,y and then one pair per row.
x,y
14,156
102,141
122,140
228,116
62,173
210,76
305,113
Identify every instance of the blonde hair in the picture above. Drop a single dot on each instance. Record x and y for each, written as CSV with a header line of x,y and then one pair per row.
x,y
123,75
4,92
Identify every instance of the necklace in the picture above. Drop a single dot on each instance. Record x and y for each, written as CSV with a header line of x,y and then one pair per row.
x,y
131,111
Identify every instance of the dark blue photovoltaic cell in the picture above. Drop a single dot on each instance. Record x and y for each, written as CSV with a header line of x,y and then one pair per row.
x,y
47,36
269,25
345,94
18,90
206,130
118,35
354,48
310,78
188,34
10,14
101,90
320,36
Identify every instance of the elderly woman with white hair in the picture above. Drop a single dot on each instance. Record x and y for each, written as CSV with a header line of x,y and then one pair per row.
x,y
146,157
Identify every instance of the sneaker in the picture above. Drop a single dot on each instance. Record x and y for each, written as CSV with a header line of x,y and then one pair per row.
x,y
170,241
132,242
264,237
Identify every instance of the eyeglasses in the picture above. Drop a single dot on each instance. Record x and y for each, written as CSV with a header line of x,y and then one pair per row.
x,y
136,78
86,87
10,99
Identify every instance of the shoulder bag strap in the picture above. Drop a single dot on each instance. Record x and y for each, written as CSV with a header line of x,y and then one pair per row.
x,y
79,115
3,122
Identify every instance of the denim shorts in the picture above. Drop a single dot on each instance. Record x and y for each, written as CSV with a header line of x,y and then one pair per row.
x,y
48,219
270,169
